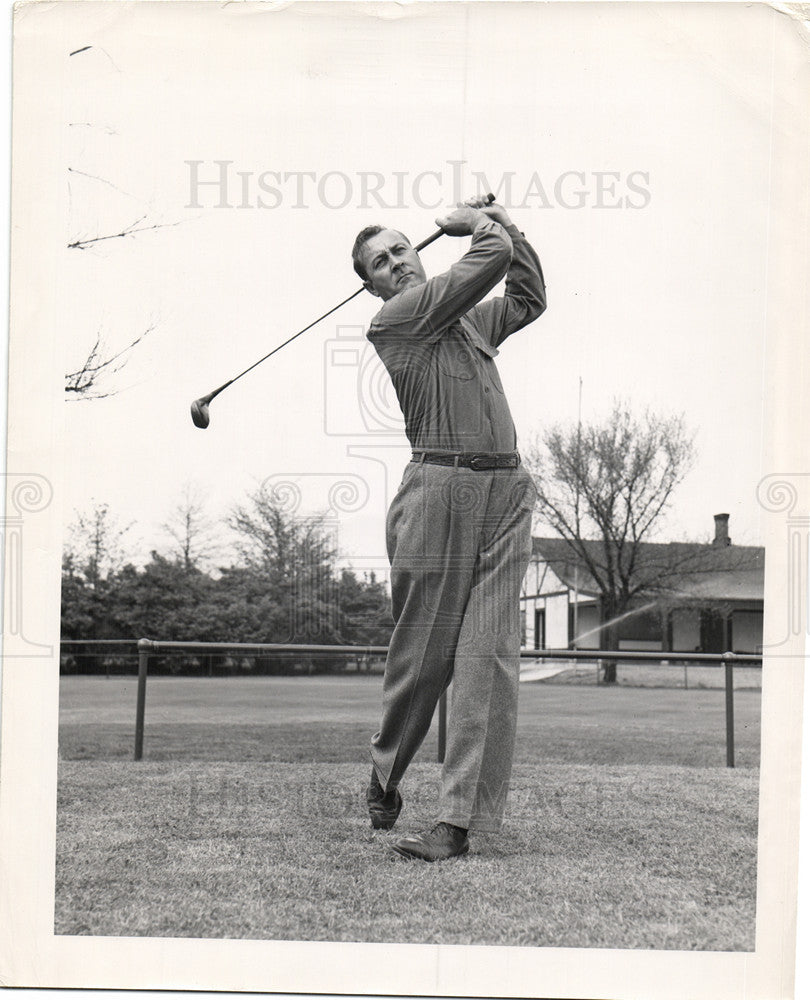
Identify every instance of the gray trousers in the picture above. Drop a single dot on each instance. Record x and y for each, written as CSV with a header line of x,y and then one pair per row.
x,y
459,543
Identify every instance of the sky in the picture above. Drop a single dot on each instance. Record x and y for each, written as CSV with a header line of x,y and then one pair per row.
x,y
631,145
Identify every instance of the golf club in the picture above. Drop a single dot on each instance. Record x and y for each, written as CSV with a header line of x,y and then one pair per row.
x,y
199,408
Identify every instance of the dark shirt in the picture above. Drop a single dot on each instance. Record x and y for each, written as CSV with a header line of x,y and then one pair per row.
x,y
438,343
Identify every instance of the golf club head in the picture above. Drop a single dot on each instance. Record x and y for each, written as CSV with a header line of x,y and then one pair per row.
x,y
199,408
200,414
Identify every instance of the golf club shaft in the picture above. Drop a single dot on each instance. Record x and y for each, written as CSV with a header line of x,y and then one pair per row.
x,y
420,246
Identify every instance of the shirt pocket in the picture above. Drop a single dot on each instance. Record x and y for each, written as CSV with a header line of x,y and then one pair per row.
x,y
456,361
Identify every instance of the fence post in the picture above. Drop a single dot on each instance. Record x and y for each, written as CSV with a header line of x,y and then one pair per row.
x,y
143,670
442,726
728,659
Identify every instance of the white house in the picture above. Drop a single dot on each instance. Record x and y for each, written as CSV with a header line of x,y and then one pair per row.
x,y
710,600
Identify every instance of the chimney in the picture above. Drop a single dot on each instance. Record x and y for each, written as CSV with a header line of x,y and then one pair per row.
x,y
721,530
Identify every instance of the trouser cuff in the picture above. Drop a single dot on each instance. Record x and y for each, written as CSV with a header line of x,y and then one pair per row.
x,y
472,825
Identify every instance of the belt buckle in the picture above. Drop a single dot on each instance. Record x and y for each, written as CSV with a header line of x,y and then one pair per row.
x,y
478,463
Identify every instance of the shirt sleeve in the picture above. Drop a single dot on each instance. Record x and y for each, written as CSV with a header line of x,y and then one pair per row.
x,y
424,312
524,297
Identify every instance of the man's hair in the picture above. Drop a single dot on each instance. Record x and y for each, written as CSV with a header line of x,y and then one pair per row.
x,y
362,238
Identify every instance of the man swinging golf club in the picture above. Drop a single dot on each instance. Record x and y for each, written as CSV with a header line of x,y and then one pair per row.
x,y
459,528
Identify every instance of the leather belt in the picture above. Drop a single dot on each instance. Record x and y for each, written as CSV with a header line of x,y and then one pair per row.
x,y
477,461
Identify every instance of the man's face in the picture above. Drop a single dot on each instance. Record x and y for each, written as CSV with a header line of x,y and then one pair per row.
x,y
391,264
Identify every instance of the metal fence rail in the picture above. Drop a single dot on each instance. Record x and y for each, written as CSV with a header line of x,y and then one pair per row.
x,y
148,647
122,651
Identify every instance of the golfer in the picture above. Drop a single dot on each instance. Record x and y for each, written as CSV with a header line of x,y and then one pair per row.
x,y
458,531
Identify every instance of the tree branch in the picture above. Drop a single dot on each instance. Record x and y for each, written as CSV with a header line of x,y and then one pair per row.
x,y
128,231
83,383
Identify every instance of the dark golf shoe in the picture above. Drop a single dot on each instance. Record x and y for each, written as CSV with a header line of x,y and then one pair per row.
x,y
442,842
383,807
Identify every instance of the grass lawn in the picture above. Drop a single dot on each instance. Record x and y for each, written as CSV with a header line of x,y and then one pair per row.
x,y
246,819
330,719
668,674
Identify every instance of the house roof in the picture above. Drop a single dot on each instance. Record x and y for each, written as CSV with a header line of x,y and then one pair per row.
x,y
683,570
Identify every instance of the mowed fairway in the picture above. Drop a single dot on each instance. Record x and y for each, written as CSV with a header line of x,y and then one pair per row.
x,y
246,819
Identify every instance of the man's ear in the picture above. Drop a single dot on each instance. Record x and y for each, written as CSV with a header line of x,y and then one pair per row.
x,y
370,288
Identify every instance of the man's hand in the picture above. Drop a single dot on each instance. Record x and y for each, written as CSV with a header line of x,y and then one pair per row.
x,y
467,215
493,211
462,221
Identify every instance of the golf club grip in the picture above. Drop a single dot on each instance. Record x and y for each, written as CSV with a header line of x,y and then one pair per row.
x,y
490,198
431,239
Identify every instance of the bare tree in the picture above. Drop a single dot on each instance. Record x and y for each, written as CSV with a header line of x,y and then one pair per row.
x,y
193,532
290,561
274,539
603,488
96,546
